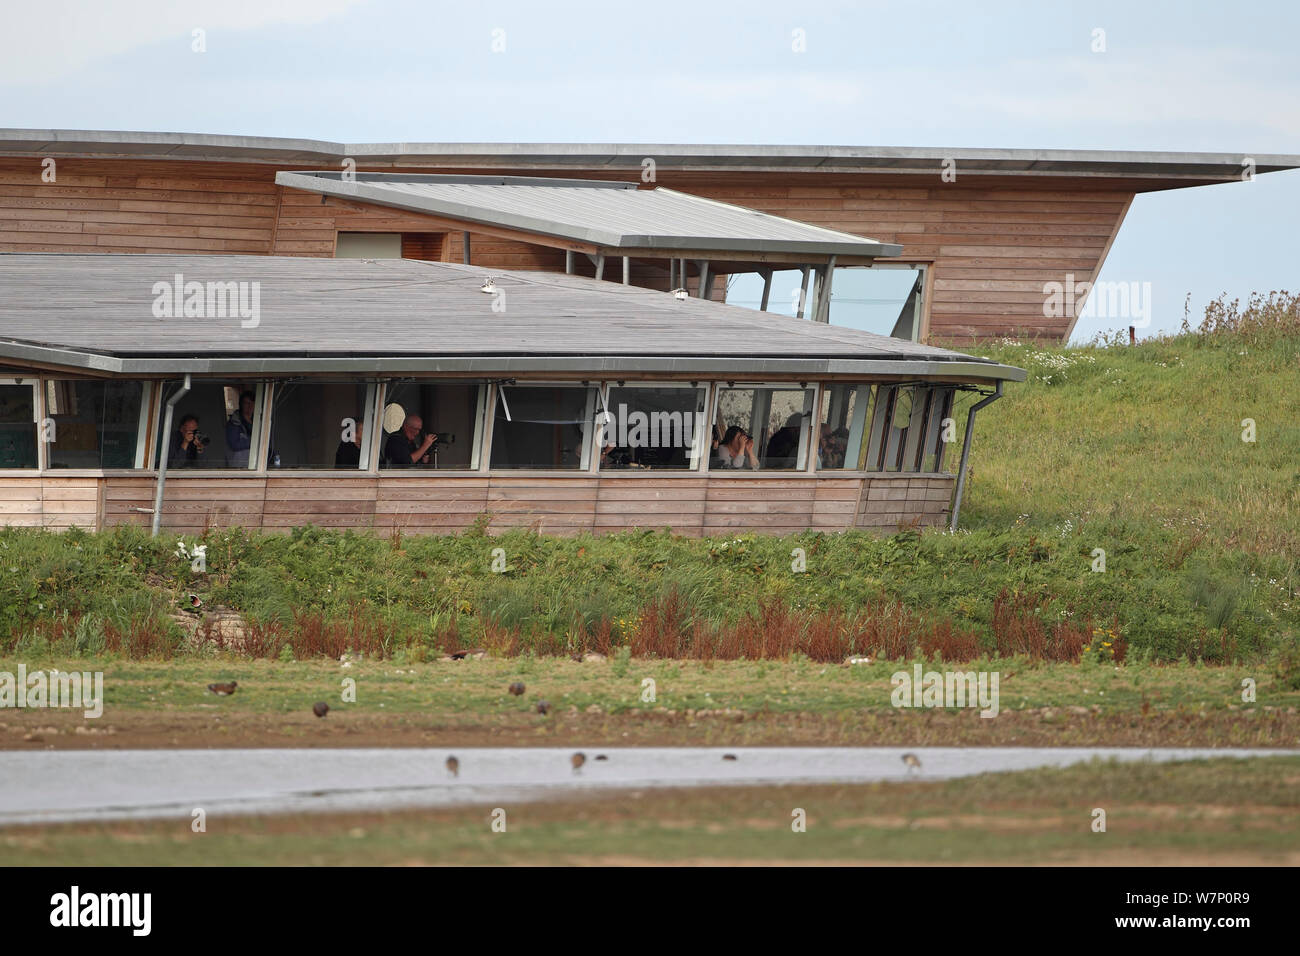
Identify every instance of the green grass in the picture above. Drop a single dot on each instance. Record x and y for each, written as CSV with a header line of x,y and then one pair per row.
x,y
1195,812
478,688
1135,451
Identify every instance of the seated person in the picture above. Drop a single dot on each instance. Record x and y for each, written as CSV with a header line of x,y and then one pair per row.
x,y
402,450
735,450
239,433
348,454
783,448
185,444
832,447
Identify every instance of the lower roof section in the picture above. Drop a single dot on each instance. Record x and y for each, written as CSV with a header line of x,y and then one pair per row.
x,y
160,315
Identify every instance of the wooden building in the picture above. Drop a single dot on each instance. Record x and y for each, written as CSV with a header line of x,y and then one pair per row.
x,y
271,392
984,230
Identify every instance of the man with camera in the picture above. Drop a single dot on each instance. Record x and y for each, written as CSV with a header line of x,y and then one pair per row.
x,y
403,450
187,445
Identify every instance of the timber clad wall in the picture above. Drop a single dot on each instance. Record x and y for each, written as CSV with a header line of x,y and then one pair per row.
x,y
433,505
994,240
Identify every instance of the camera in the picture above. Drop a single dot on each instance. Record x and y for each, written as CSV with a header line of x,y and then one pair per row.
x,y
201,438
446,439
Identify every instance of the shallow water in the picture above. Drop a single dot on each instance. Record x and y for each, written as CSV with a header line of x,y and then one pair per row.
x,y
59,786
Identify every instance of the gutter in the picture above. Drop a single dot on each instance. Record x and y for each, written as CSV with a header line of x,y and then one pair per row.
x,y
164,452
965,452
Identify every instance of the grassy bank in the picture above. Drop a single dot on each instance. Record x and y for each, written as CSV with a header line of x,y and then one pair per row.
x,y
1135,451
1242,812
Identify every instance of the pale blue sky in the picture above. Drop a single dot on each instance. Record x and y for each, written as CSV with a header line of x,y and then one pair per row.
x,y
1178,76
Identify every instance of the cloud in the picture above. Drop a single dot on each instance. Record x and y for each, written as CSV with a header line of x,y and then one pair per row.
x,y
49,39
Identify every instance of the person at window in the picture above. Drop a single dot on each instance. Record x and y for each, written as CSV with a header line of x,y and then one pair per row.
x,y
239,432
403,450
349,452
783,448
186,445
736,449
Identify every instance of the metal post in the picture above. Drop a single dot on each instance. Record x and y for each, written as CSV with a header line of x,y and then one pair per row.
x,y
600,266
627,271
965,452
568,262
803,293
672,274
464,255
704,278
824,292
767,290
164,453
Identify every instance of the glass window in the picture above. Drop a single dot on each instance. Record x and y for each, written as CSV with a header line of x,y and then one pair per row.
x,y
94,424
543,426
214,425
321,425
844,418
659,426
762,427
17,424
940,409
432,425
907,432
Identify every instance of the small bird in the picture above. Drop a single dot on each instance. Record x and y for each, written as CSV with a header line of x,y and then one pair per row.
x,y
517,688
728,756
223,690
912,761
196,601
320,708
453,766
578,760
543,708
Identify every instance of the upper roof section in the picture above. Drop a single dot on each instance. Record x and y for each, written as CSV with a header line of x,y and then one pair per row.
x,y
147,314
1161,168
615,216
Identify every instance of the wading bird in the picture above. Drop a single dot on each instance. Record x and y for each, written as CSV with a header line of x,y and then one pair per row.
x,y
912,761
453,766
578,760
543,708
320,708
728,756
223,690
517,688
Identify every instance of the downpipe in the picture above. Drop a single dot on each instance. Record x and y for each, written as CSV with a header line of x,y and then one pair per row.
x,y
165,447
965,451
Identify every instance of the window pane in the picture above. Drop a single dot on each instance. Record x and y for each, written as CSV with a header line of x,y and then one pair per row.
x,y
940,408
761,427
416,412
17,426
319,425
543,427
96,424
214,425
655,427
844,417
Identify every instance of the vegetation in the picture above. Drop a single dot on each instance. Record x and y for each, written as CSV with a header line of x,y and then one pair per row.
x,y
1134,451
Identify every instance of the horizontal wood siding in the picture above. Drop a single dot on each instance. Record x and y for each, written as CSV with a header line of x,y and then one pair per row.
x,y
689,505
994,240
899,501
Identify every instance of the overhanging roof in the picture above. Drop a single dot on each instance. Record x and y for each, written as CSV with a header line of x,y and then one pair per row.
x,y
96,313
619,217
1128,164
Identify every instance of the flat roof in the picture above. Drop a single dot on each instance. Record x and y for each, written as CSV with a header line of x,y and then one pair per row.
x,y
100,313
1129,164
610,215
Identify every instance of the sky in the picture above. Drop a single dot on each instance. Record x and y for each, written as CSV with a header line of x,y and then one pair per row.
x,y
1188,76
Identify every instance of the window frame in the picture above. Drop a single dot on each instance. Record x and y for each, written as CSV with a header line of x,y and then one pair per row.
x,y
805,459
